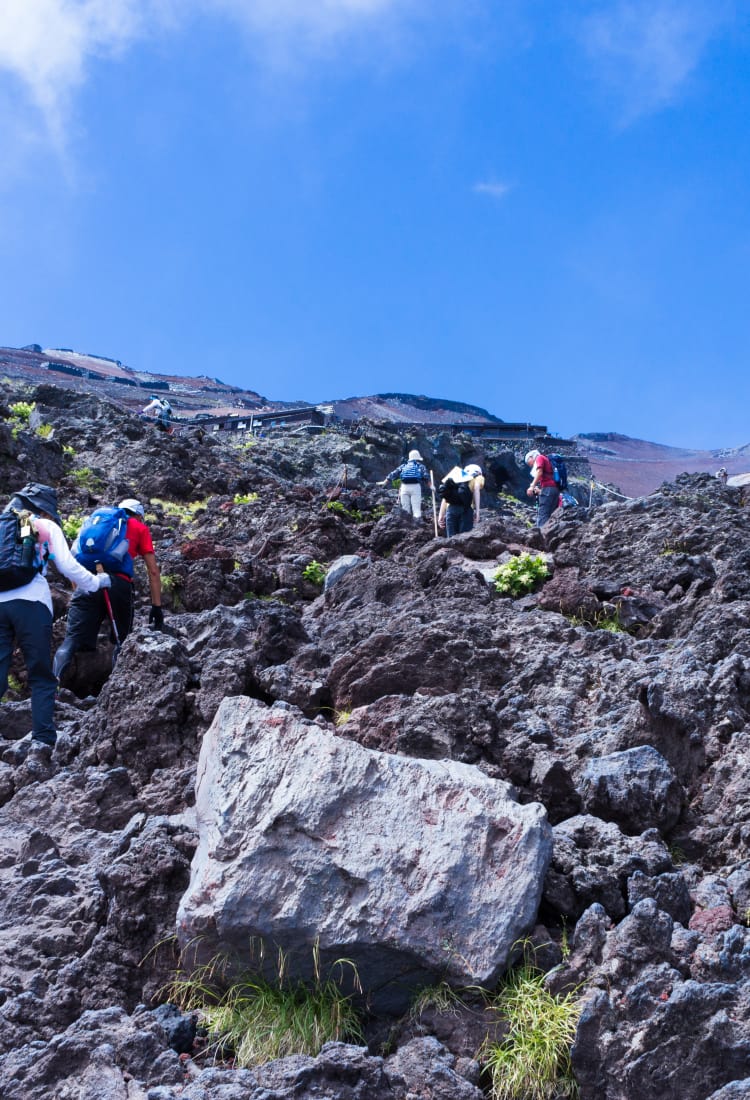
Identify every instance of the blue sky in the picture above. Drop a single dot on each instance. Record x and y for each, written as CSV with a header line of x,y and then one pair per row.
x,y
540,208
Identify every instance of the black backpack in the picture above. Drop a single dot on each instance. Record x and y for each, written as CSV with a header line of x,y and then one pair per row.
x,y
19,554
559,470
458,493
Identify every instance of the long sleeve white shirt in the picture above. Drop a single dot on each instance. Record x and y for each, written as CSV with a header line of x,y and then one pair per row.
x,y
50,538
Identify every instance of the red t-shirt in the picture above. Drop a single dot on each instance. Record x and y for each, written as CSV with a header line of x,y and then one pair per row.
x,y
139,541
547,480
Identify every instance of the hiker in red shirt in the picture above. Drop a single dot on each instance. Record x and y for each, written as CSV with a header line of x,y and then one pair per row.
x,y
543,486
87,611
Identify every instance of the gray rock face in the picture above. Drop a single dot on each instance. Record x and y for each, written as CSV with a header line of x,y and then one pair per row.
x,y
411,869
637,789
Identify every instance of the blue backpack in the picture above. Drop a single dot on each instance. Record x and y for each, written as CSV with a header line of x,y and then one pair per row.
x,y
19,552
103,540
559,470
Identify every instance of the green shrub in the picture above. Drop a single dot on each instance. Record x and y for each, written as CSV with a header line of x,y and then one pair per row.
x,y
246,498
71,525
532,1062
44,431
520,575
254,1020
314,572
21,411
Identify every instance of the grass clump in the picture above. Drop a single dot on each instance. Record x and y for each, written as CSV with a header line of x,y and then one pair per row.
x,y
254,1020
185,512
521,575
532,1062
314,572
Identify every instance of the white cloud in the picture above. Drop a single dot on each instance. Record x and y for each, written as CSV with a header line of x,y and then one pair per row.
x,y
494,188
48,45
647,50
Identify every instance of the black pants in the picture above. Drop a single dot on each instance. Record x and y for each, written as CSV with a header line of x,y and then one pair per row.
x,y
86,613
30,622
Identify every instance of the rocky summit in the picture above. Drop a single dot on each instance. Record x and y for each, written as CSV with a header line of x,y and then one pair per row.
x,y
350,752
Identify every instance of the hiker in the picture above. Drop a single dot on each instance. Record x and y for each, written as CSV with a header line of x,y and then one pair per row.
x,y
161,409
543,486
411,474
88,610
26,607
722,475
460,495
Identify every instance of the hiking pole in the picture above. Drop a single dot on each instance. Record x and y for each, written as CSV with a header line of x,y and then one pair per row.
x,y
110,612
434,506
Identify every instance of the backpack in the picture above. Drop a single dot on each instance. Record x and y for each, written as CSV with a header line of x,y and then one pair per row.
x,y
412,471
458,493
103,539
19,552
559,470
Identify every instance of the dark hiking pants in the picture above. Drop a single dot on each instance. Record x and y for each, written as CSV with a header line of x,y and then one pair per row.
x,y
30,623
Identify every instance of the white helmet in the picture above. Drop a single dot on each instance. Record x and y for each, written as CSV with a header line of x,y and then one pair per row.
x,y
132,505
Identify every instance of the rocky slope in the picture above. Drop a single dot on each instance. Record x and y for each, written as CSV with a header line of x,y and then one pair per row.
x,y
586,748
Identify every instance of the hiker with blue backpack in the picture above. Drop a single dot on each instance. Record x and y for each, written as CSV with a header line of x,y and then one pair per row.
x,y
109,541
411,474
30,536
547,474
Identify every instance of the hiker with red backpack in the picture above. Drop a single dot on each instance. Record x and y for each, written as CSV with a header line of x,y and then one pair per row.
x,y
30,536
544,486
109,540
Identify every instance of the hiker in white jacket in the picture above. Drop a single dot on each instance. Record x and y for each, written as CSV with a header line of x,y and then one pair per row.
x,y
26,610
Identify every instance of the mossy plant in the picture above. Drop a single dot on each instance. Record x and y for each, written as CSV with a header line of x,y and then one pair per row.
x,y
182,510
521,575
246,498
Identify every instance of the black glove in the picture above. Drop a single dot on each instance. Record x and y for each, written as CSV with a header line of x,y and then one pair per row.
x,y
156,618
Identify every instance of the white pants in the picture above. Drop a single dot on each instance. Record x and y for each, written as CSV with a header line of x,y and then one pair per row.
x,y
410,498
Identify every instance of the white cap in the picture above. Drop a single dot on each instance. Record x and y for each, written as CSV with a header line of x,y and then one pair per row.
x,y
132,505
473,470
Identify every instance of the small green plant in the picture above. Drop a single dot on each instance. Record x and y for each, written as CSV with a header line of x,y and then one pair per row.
x,y
69,450
668,547
442,998
71,525
21,411
14,684
609,621
254,1020
341,717
45,431
171,583
532,1062
185,512
314,572
520,575
85,478
246,498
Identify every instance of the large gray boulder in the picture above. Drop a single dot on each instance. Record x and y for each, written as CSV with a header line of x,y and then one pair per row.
x,y
411,869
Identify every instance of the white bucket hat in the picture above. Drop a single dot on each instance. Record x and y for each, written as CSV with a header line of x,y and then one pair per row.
x,y
415,456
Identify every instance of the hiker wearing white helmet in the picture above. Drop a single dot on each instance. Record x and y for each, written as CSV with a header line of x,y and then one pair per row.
x,y
110,539
543,485
411,475
460,499
31,535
